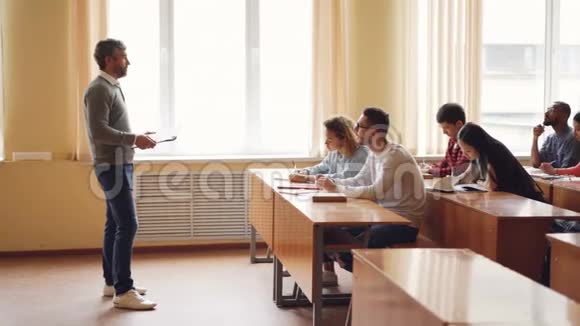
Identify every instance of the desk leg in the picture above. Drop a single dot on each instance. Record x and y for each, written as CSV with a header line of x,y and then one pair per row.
x,y
253,258
278,282
275,279
317,282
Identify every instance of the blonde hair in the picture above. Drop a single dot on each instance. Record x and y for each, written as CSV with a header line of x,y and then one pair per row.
x,y
343,128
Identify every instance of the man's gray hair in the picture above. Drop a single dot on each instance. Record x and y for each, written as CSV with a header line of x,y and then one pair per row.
x,y
106,48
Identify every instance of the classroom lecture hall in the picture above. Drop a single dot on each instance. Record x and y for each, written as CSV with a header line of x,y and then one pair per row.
x,y
289,162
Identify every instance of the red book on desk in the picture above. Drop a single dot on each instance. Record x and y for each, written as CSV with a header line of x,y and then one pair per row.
x,y
301,187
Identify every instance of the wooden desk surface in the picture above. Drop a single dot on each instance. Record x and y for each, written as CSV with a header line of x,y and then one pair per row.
x,y
271,176
566,194
567,184
353,212
461,287
570,239
506,205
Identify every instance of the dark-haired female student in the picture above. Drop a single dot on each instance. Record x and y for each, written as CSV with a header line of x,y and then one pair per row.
x,y
493,165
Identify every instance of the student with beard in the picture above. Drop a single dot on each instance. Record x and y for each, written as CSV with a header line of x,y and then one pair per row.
x,y
574,171
560,148
390,177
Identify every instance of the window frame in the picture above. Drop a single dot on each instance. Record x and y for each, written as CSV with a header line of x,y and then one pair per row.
x,y
551,61
253,110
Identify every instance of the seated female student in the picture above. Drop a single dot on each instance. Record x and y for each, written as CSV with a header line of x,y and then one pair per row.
x,y
575,171
493,165
345,159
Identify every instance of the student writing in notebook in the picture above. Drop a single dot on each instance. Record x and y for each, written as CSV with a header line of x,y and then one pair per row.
x,y
345,159
390,177
451,117
493,165
575,170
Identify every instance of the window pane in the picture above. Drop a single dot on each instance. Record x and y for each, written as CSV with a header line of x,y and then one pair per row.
x,y
513,70
567,69
210,76
140,33
285,75
191,74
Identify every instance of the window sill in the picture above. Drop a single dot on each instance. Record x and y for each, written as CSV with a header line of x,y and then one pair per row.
x,y
225,158
258,158
434,157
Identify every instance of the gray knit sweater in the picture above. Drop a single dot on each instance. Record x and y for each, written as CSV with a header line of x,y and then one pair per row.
x,y
107,123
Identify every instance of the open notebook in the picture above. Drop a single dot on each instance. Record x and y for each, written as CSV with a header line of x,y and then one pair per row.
x,y
448,185
537,173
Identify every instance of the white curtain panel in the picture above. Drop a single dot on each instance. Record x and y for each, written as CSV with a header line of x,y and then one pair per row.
x,y
443,65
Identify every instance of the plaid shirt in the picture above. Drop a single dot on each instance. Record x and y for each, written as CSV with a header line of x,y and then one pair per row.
x,y
454,158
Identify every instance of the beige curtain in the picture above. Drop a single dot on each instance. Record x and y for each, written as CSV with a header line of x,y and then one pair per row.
x,y
88,26
410,100
330,80
443,65
1,86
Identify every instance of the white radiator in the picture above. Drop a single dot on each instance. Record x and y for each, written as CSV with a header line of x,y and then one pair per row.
x,y
192,206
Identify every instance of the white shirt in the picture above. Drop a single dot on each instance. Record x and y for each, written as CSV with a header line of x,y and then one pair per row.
x,y
391,178
112,80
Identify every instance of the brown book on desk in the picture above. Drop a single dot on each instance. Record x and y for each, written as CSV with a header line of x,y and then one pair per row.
x,y
329,197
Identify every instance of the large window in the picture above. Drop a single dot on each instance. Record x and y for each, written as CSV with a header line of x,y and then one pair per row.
x,y
228,77
531,51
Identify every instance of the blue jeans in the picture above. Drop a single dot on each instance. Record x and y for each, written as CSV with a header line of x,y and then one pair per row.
x,y
382,236
121,224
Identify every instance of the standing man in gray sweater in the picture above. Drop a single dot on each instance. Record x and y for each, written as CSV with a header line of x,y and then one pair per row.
x,y
112,144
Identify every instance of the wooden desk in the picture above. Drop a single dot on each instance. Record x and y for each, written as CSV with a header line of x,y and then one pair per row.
x,y
298,235
449,287
546,186
566,194
506,228
263,183
565,264
261,211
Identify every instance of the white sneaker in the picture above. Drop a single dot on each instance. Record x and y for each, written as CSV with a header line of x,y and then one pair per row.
x,y
109,291
132,300
329,279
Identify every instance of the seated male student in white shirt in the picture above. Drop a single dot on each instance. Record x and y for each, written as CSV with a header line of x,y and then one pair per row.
x,y
390,177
